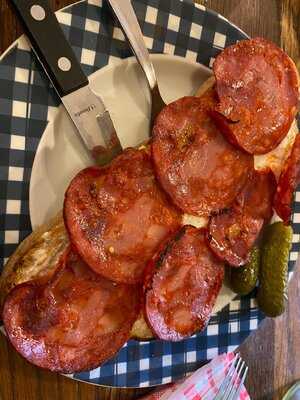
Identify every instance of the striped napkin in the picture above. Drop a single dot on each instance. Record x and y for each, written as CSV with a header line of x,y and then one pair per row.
x,y
201,385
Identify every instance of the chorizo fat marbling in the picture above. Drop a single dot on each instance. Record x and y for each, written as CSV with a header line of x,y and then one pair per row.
x,y
288,182
258,90
181,285
232,235
74,322
117,216
256,198
197,167
233,232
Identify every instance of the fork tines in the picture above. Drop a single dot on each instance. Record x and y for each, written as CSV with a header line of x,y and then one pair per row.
x,y
233,381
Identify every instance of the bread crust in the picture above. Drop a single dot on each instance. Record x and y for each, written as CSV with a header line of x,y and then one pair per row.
x,y
35,257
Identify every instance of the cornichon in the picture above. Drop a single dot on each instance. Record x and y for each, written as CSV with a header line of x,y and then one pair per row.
x,y
243,279
273,276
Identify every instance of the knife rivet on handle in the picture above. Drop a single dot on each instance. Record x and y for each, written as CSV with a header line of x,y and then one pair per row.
x,y
64,64
56,56
37,12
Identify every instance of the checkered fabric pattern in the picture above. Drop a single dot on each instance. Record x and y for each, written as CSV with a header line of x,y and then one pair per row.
x,y
28,103
205,383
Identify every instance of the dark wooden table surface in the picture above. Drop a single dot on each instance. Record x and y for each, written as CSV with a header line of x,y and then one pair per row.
x,y
273,352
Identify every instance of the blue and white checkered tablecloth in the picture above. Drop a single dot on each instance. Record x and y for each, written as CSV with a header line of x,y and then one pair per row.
x,y
28,103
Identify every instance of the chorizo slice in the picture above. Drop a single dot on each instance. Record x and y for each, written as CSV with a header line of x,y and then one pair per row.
x,y
256,198
116,216
232,234
196,166
258,90
74,322
181,285
288,181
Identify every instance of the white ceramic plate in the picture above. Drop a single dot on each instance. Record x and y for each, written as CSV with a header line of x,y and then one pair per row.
x,y
122,86
197,33
60,154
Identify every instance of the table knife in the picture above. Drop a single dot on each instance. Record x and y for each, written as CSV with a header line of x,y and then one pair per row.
x,y
125,15
57,58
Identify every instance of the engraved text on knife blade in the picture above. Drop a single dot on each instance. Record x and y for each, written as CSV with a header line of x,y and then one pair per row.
x,y
92,121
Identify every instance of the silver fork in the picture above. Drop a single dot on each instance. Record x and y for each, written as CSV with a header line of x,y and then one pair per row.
x,y
234,380
125,14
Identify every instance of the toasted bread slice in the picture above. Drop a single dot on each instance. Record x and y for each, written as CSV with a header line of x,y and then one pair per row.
x,y
35,257
140,329
38,254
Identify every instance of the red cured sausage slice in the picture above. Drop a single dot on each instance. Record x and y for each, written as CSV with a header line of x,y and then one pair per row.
x,y
117,216
258,89
256,198
195,165
181,285
233,232
288,182
75,322
232,235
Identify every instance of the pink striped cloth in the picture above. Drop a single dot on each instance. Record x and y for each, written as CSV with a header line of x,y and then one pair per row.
x,y
201,385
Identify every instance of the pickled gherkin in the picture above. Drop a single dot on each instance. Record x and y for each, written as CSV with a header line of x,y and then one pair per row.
x,y
243,279
273,276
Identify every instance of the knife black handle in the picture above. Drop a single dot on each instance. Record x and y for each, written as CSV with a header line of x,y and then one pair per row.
x,y
50,45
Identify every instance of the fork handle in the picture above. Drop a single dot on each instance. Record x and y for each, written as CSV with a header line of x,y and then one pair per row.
x,y
125,14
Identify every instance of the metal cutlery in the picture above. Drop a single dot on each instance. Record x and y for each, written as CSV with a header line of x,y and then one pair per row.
x,y
234,380
56,56
125,14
